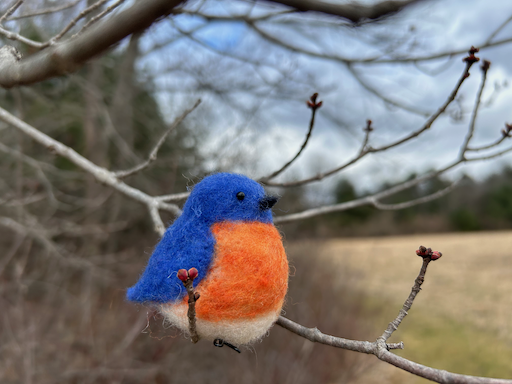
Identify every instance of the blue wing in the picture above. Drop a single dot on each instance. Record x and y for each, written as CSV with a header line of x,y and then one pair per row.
x,y
184,245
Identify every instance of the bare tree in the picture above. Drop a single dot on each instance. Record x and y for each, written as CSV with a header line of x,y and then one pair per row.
x,y
85,33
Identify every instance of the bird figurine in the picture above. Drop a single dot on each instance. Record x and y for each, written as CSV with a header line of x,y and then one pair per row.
x,y
226,232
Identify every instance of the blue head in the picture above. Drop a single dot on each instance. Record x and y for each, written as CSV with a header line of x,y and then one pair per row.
x,y
228,197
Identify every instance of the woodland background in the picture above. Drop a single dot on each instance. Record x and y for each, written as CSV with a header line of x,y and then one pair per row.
x,y
69,247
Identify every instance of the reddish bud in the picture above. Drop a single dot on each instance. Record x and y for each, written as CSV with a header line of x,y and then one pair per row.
x,y
471,59
436,255
485,65
422,251
183,275
473,50
311,103
192,273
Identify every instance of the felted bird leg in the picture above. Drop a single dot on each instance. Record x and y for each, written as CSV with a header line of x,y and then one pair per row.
x,y
187,278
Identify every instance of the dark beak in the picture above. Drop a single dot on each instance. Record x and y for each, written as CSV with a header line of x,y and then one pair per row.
x,y
268,202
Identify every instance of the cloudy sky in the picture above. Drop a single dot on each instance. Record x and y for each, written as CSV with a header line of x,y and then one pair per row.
x,y
258,110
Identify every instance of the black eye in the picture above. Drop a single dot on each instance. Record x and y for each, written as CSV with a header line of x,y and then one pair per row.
x,y
240,196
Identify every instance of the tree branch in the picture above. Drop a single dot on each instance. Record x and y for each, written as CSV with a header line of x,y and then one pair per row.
x,y
154,152
380,348
45,11
71,54
102,175
314,106
353,12
363,153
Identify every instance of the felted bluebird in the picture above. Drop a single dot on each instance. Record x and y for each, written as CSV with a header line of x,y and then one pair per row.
x,y
225,232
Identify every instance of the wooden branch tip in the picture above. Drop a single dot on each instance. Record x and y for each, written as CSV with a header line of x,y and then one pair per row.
x,y
187,278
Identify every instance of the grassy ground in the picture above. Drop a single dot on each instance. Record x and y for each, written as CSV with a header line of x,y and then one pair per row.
x,y
462,319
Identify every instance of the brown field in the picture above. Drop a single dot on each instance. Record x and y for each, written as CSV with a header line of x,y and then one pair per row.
x,y
462,318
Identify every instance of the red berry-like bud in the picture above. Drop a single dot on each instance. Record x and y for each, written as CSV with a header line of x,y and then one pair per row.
x,y
183,275
192,273
436,255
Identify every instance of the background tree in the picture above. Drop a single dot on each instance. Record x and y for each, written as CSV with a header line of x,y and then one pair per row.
x,y
98,152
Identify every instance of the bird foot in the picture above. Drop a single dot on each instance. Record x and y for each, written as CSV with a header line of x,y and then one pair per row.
x,y
220,343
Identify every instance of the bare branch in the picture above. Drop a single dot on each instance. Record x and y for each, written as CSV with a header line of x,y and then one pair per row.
x,y
361,154
354,12
393,326
488,146
154,152
382,96
491,156
70,55
10,11
371,199
158,224
102,14
73,22
173,197
380,348
17,37
418,201
102,175
45,11
474,114
314,106
187,278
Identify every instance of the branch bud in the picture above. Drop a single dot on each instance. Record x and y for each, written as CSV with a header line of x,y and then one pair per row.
x,y
183,275
192,273
471,59
311,103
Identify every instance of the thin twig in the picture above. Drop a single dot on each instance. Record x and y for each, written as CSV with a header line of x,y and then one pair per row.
x,y
418,201
102,175
45,11
73,22
488,146
314,107
17,37
386,99
498,30
367,200
393,326
380,348
474,114
154,152
10,11
99,16
361,154
173,197
187,278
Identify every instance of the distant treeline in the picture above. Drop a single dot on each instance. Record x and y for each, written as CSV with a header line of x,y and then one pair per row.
x,y
472,206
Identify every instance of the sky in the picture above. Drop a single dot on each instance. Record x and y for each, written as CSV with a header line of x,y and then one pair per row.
x,y
255,135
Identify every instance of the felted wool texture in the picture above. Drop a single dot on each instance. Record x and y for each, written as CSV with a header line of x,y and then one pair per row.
x,y
189,242
244,291
236,332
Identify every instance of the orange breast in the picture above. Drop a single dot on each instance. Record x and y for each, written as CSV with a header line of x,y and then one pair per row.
x,y
249,273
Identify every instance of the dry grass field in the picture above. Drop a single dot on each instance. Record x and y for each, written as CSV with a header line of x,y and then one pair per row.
x,y
461,320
